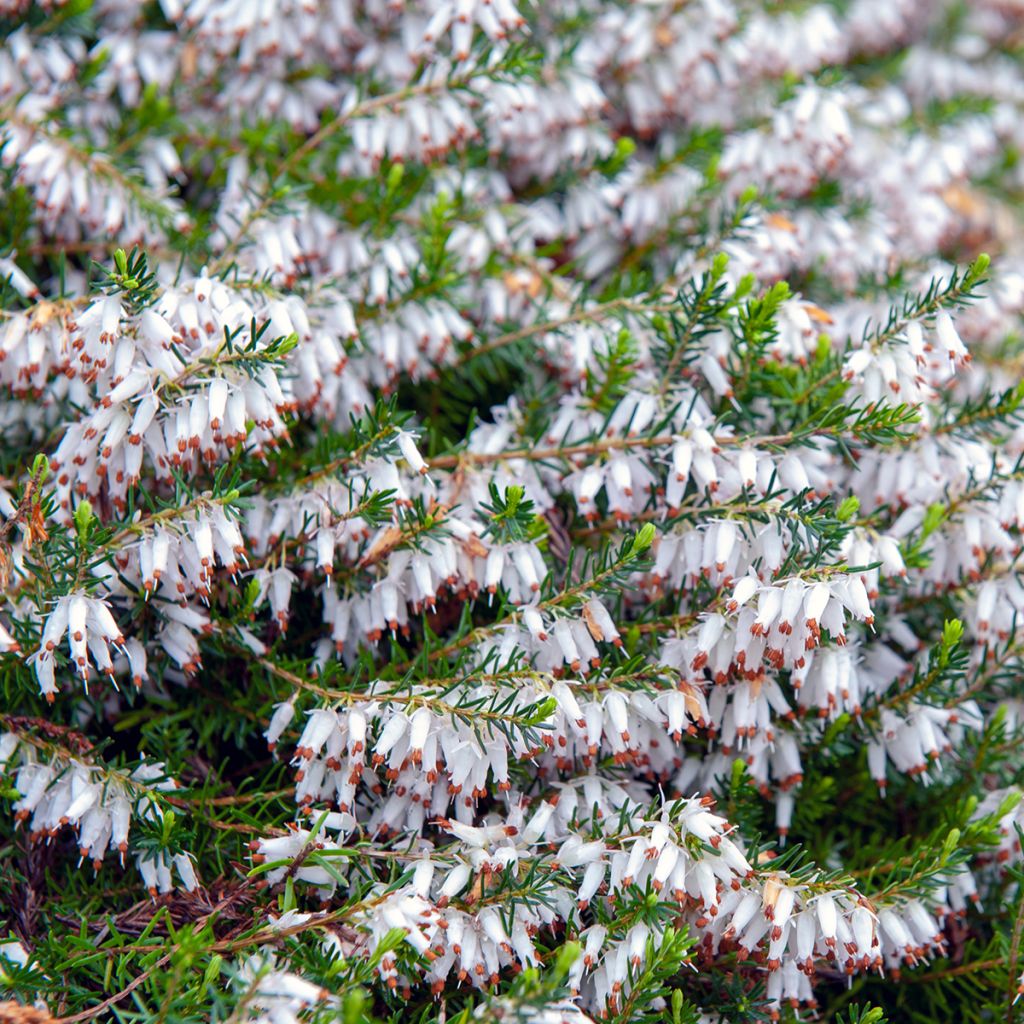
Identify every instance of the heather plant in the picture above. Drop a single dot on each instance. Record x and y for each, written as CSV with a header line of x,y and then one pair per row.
x,y
510,511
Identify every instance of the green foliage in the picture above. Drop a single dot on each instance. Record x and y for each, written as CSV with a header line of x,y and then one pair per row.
x,y
130,278
512,516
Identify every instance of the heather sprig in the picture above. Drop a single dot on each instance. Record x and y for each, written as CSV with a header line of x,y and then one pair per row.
x,y
510,511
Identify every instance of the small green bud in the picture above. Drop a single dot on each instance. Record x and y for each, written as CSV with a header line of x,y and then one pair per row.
x,y
212,972
567,956
121,261
83,518
748,195
981,264
677,1006
848,508
395,174
543,711
1008,803
933,518
40,468
513,496
625,147
950,844
873,1016
719,265
744,286
643,539
952,633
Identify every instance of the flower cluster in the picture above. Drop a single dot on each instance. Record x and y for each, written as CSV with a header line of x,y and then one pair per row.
x,y
450,911
58,789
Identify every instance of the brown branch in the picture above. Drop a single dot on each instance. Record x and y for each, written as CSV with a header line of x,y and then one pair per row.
x,y
117,997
